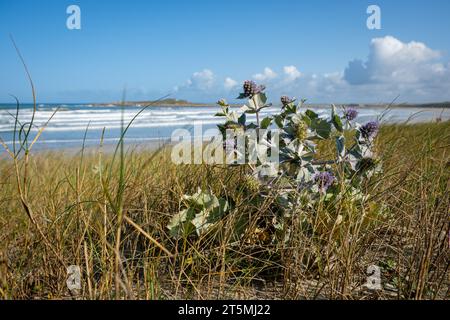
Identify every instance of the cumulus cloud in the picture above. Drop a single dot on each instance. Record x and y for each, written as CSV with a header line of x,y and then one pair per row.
x,y
201,86
268,74
202,80
391,60
328,87
229,83
291,73
410,70
288,76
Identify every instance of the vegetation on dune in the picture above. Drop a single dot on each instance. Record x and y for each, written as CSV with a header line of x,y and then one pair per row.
x,y
140,226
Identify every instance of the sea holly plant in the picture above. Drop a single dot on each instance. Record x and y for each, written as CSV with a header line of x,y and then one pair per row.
x,y
202,211
300,179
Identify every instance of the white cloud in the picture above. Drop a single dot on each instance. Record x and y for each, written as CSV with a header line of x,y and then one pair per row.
x,y
229,83
202,80
393,61
410,70
268,74
291,73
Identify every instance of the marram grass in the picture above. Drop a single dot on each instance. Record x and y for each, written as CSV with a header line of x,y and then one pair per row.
x,y
77,200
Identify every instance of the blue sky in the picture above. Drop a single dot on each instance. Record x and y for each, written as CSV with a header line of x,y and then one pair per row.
x,y
203,50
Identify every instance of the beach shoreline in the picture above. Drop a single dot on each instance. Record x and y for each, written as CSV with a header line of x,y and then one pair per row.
x,y
438,105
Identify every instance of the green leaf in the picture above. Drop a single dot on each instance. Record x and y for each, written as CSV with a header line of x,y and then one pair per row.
x,y
262,96
311,114
258,101
333,110
279,121
337,123
222,103
201,223
180,223
340,146
218,211
225,109
307,120
322,128
251,126
291,108
265,123
204,210
242,119
222,128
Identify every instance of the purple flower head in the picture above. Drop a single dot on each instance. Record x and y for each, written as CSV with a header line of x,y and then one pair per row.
x,y
324,180
350,114
370,129
285,100
251,89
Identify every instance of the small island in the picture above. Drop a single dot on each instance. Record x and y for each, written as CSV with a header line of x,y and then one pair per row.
x,y
168,102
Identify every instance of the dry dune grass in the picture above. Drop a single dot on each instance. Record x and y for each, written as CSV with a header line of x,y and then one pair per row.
x,y
109,216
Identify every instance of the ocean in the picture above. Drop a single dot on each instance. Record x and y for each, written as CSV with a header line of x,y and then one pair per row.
x,y
156,124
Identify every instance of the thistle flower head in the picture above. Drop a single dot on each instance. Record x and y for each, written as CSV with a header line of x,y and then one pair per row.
x,y
301,130
251,88
370,129
324,180
350,114
222,102
285,100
